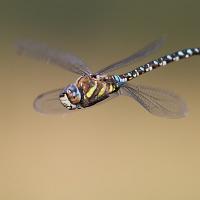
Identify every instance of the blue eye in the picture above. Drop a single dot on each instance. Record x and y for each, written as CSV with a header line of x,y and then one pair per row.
x,y
69,91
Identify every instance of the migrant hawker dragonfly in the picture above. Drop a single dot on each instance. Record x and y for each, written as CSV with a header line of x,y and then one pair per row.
x,y
92,88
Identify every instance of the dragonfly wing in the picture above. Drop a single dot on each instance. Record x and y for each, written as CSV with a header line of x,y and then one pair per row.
x,y
49,103
65,60
157,101
150,48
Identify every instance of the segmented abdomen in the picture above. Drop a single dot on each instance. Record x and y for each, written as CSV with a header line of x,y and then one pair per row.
x,y
162,61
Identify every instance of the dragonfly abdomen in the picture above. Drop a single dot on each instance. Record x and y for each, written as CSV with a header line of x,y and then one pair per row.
x,y
162,61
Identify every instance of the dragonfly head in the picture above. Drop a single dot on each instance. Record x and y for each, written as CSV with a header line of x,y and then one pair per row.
x,y
70,97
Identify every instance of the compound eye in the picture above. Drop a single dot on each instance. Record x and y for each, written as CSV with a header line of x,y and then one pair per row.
x,y
69,91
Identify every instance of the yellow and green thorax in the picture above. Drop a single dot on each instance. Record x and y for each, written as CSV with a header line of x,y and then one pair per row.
x,y
95,89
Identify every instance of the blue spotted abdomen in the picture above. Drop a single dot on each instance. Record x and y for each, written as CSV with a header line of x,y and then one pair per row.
x,y
162,61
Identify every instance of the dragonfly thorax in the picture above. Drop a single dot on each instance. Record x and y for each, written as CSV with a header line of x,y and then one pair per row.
x,y
70,97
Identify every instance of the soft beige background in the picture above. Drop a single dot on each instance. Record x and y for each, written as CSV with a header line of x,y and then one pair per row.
x,y
113,151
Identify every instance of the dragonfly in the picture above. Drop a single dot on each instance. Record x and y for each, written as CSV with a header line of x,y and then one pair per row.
x,y
92,88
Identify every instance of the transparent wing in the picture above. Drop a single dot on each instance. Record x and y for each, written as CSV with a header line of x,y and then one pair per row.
x,y
150,48
65,60
49,103
157,101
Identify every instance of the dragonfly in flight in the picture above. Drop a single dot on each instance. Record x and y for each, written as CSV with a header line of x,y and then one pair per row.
x,y
92,88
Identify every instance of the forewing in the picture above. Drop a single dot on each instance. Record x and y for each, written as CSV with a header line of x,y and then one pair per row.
x,y
157,101
150,48
49,103
65,60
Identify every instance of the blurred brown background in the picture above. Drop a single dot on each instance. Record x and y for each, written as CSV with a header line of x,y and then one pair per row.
x,y
112,151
